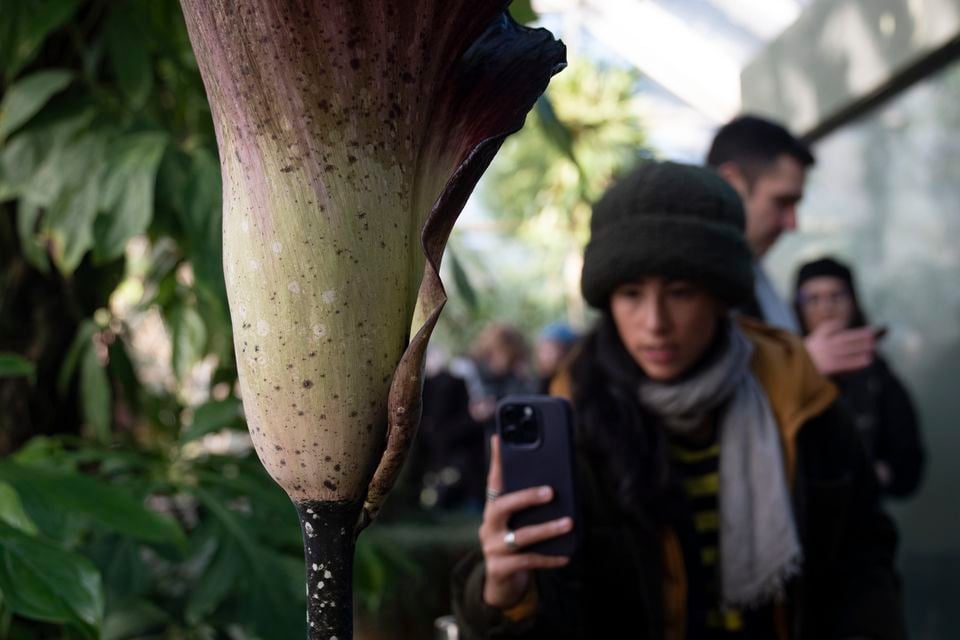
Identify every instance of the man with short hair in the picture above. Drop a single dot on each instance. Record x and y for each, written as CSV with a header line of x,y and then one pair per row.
x,y
767,166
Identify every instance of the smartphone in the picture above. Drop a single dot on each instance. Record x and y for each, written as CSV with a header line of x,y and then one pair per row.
x,y
536,449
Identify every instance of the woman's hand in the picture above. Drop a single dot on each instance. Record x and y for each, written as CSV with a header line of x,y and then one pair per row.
x,y
835,349
509,571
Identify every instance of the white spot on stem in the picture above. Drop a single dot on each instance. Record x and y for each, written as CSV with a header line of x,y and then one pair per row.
x,y
263,328
276,247
245,226
294,287
320,585
253,265
319,330
327,575
242,311
328,296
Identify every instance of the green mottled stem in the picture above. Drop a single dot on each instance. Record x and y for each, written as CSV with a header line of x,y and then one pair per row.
x,y
329,541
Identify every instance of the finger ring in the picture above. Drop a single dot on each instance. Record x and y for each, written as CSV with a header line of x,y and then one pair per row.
x,y
492,494
510,539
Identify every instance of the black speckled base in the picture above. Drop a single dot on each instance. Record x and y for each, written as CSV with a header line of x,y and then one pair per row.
x,y
328,542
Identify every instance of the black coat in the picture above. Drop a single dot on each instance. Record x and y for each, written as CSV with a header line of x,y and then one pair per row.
x,y
887,422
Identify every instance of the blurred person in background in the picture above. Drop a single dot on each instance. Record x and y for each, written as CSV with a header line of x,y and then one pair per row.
x,y
496,366
724,493
499,357
826,300
553,344
446,465
767,166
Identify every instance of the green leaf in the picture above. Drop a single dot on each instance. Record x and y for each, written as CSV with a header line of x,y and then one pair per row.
x,y
41,581
6,619
36,160
43,490
189,338
27,96
557,133
70,219
370,575
272,592
14,366
8,191
70,222
42,451
81,343
213,416
522,11
11,510
462,280
127,198
95,395
33,250
216,583
19,158
129,57
25,25
561,137
122,371
134,619
121,562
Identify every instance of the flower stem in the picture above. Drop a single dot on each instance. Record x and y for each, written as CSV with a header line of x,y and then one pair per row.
x,y
329,541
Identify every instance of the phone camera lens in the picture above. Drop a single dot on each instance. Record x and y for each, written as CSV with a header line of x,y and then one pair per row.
x,y
519,424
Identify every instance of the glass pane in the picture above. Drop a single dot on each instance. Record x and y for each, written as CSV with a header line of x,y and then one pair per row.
x,y
885,196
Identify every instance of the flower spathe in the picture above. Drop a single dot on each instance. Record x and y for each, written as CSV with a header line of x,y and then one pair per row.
x,y
351,133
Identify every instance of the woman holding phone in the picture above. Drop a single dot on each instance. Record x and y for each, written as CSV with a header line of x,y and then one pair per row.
x,y
723,492
826,299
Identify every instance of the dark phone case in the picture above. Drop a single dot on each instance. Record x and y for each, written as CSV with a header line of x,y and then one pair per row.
x,y
549,461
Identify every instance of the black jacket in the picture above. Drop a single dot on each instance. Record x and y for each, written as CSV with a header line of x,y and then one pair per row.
x,y
886,420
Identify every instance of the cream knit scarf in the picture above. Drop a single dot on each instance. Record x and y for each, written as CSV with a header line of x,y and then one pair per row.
x,y
759,546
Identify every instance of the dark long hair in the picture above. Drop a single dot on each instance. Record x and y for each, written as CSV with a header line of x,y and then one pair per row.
x,y
623,439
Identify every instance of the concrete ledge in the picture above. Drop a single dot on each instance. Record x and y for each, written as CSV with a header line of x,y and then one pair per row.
x,y
842,56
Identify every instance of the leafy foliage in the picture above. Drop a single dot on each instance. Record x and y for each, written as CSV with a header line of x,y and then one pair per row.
x,y
584,131
119,516
131,504
39,580
12,365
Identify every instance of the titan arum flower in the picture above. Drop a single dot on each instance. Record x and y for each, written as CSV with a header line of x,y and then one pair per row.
x,y
351,132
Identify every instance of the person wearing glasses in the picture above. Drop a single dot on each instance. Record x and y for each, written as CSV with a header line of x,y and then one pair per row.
x,y
826,301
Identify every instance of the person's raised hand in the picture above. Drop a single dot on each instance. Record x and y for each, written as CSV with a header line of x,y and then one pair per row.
x,y
509,570
835,349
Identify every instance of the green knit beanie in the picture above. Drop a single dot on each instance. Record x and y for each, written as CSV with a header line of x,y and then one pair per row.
x,y
671,220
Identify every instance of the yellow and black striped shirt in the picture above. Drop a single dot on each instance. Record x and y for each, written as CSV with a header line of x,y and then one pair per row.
x,y
699,468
